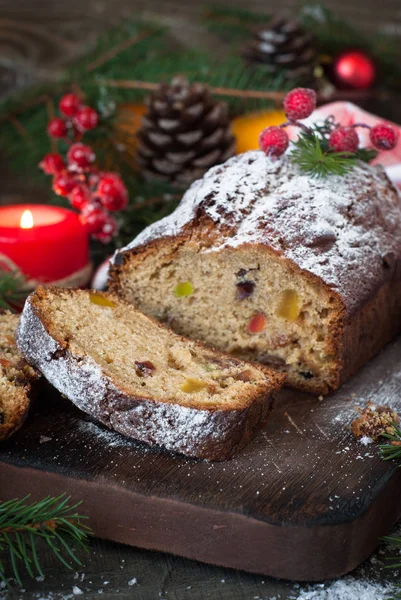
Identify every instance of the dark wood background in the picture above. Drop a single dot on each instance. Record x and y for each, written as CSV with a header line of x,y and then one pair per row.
x,y
38,37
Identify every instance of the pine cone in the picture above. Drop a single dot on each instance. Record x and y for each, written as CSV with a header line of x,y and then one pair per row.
x,y
184,132
283,47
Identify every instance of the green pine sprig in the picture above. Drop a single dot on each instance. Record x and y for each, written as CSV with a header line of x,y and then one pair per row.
x,y
51,521
11,290
313,156
392,449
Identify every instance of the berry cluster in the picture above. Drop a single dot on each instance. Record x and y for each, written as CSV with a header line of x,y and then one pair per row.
x,y
299,104
94,193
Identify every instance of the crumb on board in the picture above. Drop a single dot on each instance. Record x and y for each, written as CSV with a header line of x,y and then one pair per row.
x,y
374,421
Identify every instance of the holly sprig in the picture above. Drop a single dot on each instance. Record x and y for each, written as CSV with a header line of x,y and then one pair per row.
x,y
51,521
94,193
327,148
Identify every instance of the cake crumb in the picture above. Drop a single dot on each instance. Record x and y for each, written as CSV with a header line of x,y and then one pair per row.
x,y
374,421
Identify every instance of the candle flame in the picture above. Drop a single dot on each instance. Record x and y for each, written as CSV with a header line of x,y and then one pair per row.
x,y
26,221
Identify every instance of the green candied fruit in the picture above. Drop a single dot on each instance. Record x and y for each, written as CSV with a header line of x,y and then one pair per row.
x,y
185,288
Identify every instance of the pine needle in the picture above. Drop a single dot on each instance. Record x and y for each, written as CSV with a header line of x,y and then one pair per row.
x,y
50,521
11,293
392,449
313,157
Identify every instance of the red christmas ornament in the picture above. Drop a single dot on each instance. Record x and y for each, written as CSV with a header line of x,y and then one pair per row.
x,y
273,141
354,70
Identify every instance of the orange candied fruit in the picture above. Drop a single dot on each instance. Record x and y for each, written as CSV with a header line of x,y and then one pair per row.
x,y
101,300
257,323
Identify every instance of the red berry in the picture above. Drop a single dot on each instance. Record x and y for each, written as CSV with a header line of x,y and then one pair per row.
x,y
108,231
86,118
52,164
299,103
344,139
64,183
69,104
79,197
94,218
57,128
80,155
112,192
383,137
273,141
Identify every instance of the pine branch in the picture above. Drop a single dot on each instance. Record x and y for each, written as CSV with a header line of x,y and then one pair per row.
x,y
50,521
11,292
392,449
313,157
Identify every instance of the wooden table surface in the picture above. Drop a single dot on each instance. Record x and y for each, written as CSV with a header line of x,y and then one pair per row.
x,y
38,37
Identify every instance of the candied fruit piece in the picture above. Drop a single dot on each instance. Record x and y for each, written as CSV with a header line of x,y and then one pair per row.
x,y
101,300
184,288
191,386
145,368
289,306
257,323
5,363
245,289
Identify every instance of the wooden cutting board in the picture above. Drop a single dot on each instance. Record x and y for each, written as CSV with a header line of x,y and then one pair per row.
x,y
303,501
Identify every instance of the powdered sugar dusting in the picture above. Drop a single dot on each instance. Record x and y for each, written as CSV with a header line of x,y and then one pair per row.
x,y
348,588
339,229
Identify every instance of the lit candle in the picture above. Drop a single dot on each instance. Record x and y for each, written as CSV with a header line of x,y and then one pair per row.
x,y
46,243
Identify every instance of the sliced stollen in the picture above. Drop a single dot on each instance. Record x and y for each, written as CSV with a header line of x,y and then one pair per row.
x,y
271,265
16,378
139,378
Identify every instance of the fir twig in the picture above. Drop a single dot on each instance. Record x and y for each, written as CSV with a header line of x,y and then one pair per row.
x,y
129,84
11,290
392,449
313,157
51,521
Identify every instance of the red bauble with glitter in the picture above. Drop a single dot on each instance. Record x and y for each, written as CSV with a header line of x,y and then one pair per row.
x,y
354,70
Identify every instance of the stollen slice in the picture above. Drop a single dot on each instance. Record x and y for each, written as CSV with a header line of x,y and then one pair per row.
x,y
139,378
16,379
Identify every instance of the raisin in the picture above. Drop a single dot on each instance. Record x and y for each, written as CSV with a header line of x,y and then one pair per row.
x,y
306,374
241,273
244,375
145,368
245,289
2,418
